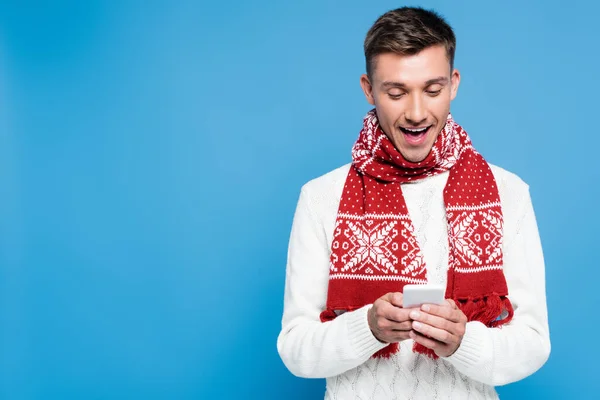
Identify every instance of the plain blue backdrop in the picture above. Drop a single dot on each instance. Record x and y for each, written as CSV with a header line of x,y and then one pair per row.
x,y
151,157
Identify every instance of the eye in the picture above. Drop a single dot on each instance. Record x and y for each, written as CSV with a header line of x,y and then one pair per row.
x,y
396,96
433,93
434,90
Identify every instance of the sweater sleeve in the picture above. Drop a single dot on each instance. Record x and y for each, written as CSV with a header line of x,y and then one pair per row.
x,y
308,347
498,356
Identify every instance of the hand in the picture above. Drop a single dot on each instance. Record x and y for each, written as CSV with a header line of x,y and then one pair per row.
x,y
439,327
388,321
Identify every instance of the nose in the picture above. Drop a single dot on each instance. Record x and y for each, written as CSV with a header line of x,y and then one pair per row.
x,y
415,113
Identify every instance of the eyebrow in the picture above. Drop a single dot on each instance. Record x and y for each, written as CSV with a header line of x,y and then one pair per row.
x,y
439,80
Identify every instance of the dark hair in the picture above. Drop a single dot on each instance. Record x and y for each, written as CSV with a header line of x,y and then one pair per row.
x,y
407,31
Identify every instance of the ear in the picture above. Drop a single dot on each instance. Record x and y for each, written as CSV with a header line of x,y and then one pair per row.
x,y
455,81
365,83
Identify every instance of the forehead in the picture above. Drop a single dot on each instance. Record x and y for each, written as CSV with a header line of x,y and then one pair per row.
x,y
413,69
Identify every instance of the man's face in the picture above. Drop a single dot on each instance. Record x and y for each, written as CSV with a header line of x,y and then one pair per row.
x,y
412,96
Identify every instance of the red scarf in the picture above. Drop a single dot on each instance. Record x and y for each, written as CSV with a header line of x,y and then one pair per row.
x,y
374,250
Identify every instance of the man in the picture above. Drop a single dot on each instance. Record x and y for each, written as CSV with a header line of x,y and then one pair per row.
x,y
417,205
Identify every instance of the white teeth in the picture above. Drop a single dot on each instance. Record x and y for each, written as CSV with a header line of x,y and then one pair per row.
x,y
416,130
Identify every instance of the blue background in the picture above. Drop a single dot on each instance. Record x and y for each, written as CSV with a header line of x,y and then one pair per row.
x,y
151,157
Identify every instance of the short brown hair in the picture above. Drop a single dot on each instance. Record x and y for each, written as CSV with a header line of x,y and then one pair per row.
x,y
407,31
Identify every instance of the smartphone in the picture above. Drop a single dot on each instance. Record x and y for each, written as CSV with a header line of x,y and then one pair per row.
x,y
416,295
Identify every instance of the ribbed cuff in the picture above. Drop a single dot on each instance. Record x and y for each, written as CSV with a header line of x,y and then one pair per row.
x,y
362,339
475,348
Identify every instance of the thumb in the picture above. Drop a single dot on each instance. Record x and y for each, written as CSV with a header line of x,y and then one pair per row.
x,y
452,304
394,298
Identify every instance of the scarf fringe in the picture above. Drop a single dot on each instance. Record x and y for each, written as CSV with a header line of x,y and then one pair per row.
x,y
387,351
327,315
419,348
488,310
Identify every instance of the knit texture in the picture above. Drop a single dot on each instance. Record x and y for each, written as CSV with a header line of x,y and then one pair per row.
x,y
341,350
374,250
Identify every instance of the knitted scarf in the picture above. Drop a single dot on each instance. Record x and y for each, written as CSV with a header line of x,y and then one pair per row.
x,y
374,249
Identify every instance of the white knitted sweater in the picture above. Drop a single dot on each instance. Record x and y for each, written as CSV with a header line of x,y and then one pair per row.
x,y
341,350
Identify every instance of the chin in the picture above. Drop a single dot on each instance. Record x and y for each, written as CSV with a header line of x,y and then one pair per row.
x,y
416,159
412,154
416,155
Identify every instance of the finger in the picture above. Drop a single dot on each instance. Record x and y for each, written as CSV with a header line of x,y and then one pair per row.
x,y
425,341
440,335
445,311
388,311
398,336
402,326
433,320
452,304
395,299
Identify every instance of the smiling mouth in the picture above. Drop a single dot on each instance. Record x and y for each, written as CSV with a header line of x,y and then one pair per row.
x,y
415,136
415,131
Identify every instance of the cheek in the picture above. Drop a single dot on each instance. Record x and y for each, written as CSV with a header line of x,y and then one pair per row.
x,y
390,110
441,106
